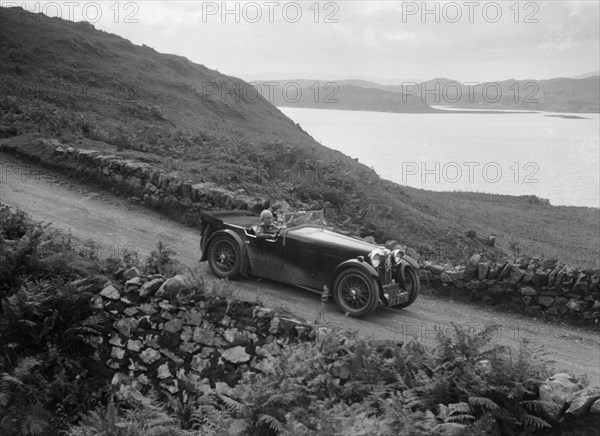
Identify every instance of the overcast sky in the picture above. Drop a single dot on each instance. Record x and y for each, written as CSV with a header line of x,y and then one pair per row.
x,y
390,41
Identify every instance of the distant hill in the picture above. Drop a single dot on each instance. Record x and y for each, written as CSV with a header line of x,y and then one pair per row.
x,y
585,76
343,95
555,95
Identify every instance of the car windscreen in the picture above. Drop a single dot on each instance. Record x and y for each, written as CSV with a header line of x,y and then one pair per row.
x,y
312,217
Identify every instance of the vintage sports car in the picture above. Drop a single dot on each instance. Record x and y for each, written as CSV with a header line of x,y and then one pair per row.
x,y
308,254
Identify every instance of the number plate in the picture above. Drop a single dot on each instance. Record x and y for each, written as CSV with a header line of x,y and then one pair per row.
x,y
399,299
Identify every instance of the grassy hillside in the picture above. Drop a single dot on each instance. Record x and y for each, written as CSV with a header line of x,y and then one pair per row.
x,y
91,89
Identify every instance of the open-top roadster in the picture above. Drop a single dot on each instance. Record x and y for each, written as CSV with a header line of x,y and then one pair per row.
x,y
308,254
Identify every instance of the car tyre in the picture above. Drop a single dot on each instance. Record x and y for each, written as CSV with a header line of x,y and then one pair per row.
x,y
411,284
224,257
356,292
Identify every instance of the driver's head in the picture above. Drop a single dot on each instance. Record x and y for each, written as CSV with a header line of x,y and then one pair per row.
x,y
266,217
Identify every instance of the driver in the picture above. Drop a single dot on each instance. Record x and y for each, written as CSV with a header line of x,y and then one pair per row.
x,y
266,229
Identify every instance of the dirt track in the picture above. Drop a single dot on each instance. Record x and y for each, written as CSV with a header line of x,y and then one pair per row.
x,y
115,223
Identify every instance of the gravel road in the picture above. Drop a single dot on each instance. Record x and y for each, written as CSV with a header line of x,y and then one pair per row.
x,y
115,223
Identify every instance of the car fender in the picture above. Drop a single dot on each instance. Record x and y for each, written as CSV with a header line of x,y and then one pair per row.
x,y
237,239
355,262
408,262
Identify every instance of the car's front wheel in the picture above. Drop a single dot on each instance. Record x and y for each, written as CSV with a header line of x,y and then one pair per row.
x,y
355,292
224,257
411,285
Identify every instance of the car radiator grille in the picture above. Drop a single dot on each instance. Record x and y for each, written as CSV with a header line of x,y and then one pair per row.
x,y
385,270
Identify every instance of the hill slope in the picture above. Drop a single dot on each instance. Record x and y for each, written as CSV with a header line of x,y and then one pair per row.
x,y
92,89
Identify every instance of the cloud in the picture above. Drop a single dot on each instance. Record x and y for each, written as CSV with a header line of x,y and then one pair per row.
x,y
376,38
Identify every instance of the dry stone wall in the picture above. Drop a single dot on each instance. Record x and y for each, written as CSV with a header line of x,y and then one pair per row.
x,y
537,287
163,333
146,183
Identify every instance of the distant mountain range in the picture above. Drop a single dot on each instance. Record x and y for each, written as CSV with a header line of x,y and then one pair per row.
x,y
555,95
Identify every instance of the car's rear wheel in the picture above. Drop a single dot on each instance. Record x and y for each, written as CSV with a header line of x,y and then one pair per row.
x,y
355,292
224,257
412,284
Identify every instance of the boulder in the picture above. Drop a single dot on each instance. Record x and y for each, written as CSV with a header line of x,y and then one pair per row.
x,y
126,326
582,401
595,409
553,275
455,275
235,355
575,305
150,287
445,278
582,284
545,301
131,273
473,265
110,292
540,278
163,371
559,389
495,270
175,288
594,282
483,269
174,325
149,356
515,275
528,291
435,269
505,272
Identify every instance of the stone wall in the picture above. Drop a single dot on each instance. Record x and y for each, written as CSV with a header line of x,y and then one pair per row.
x,y
536,287
145,182
165,332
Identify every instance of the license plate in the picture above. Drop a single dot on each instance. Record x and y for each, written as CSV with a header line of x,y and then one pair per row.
x,y
399,299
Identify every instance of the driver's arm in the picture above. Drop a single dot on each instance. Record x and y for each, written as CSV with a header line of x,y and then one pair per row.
x,y
262,234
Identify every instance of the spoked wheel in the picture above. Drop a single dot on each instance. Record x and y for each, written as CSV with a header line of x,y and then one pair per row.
x,y
412,284
224,257
356,292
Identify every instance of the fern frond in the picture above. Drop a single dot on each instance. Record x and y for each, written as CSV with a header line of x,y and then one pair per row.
x,y
450,427
272,422
486,403
459,408
95,319
236,407
36,420
463,418
538,406
7,378
82,331
430,419
534,421
444,412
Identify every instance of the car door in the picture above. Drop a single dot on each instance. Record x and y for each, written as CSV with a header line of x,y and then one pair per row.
x,y
265,257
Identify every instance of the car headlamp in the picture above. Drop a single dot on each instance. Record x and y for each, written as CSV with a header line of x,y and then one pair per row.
x,y
375,257
397,255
